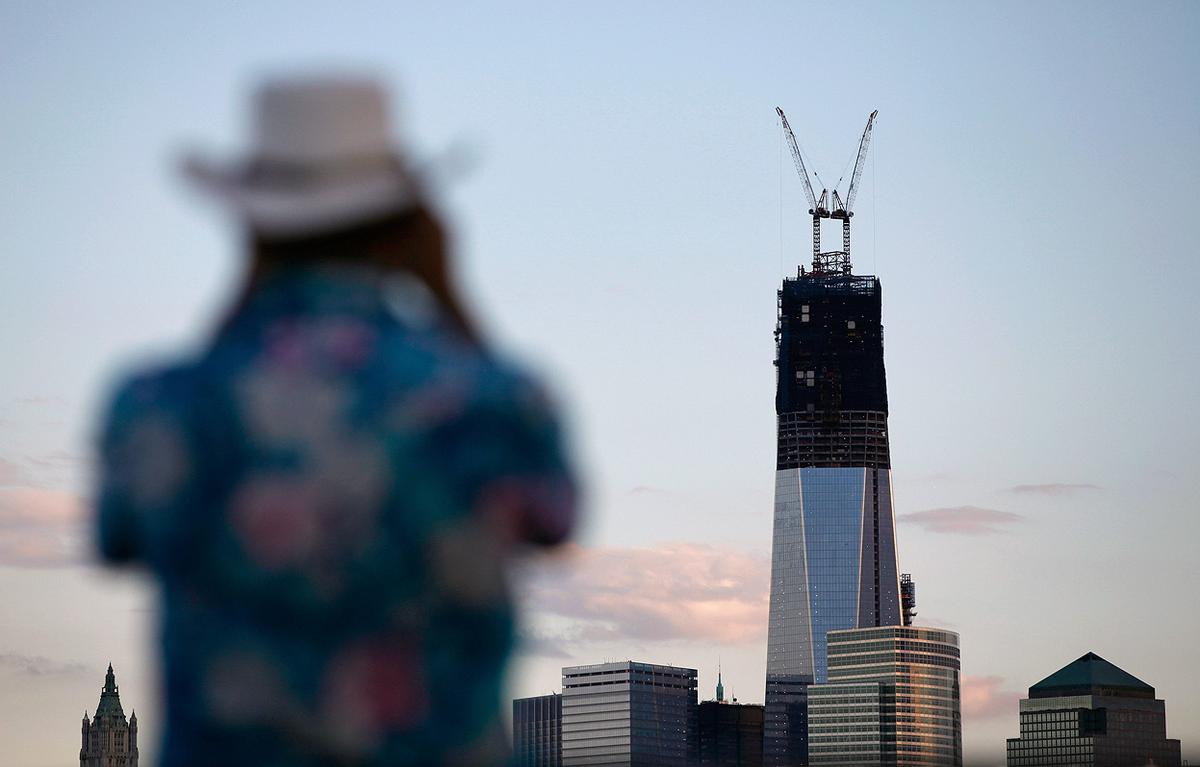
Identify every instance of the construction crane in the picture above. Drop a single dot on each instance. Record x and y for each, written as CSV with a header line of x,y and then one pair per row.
x,y
830,204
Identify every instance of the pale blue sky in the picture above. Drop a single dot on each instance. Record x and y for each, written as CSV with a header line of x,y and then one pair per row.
x,y
1029,205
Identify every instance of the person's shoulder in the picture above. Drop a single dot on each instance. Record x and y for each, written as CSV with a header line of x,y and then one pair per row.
x,y
163,386
503,383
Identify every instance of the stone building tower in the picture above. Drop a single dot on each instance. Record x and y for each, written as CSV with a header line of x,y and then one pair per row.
x,y
108,739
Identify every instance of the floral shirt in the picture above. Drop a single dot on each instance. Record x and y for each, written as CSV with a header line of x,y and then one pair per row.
x,y
327,496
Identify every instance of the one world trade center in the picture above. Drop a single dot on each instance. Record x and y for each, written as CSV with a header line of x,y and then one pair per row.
x,y
833,554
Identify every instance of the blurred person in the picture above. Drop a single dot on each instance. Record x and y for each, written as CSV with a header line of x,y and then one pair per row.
x,y
328,493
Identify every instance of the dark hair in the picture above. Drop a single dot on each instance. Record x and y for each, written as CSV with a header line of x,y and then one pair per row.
x,y
411,241
353,245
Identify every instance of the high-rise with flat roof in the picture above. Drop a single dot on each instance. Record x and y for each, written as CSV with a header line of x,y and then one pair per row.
x,y
892,699
833,555
537,728
628,714
1092,713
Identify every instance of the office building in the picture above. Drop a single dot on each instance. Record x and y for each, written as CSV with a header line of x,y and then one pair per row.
x,y
730,734
892,699
1090,712
833,550
628,714
537,728
108,738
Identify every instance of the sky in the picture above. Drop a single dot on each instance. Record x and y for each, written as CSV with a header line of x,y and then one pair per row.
x,y
625,217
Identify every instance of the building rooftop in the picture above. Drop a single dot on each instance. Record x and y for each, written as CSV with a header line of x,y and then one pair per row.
x,y
110,698
820,284
624,665
1091,675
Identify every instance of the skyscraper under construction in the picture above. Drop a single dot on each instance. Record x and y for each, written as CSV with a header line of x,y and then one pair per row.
x,y
833,556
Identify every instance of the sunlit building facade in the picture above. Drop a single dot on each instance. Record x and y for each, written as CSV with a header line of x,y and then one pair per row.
x,y
833,557
892,698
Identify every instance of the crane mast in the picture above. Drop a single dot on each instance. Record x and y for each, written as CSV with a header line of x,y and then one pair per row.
x,y
830,204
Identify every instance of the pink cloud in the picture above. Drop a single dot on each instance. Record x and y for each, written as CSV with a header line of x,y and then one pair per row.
x,y
962,520
40,527
670,591
983,697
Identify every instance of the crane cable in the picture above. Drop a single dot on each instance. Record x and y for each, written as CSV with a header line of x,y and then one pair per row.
x,y
780,199
874,209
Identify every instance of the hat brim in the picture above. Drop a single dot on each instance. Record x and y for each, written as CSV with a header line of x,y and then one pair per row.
x,y
283,212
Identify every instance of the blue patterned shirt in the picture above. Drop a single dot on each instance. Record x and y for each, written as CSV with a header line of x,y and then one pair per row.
x,y
328,495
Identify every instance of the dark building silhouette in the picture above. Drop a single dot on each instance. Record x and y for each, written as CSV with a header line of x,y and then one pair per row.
x,y
1090,712
537,730
109,739
730,734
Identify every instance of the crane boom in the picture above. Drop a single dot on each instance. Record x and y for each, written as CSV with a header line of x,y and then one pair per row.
x,y
858,163
808,190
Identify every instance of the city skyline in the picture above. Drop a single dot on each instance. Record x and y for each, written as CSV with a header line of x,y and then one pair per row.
x,y
1027,204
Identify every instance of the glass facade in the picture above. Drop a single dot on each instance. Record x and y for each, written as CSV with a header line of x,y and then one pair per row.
x,y
1092,713
851,723
892,699
628,715
1104,731
828,523
833,551
537,728
833,545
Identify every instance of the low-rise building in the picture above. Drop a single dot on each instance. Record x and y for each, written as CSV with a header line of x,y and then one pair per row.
x,y
1092,713
628,714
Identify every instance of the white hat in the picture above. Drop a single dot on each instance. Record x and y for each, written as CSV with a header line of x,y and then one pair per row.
x,y
323,159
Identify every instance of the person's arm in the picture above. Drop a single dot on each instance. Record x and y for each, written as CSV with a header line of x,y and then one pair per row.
x,y
519,468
